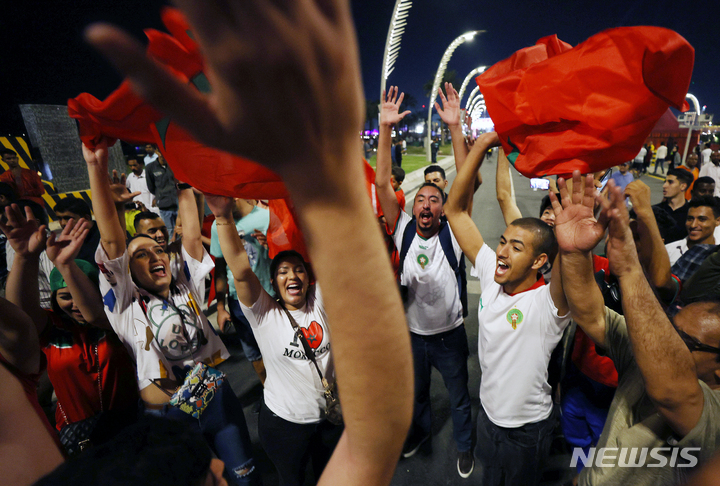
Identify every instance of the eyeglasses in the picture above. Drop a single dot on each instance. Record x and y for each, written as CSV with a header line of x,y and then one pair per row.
x,y
694,345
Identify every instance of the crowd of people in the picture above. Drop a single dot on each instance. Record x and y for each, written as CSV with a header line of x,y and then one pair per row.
x,y
620,352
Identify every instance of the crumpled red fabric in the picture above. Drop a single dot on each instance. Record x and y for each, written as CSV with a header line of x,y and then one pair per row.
x,y
124,115
557,108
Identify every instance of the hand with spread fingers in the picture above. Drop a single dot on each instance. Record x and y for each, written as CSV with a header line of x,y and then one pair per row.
x,y
450,111
390,107
24,234
64,248
261,57
576,228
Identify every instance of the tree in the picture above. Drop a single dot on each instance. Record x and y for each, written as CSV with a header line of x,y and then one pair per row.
x,y
448,77
372,111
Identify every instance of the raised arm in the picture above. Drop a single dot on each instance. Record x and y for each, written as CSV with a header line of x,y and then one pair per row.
x,y
389,116
653,254
62,251
503,187
28,241
188,211
19,343
112,233
312,82
450,114
578,232
247,285
665,362
459,204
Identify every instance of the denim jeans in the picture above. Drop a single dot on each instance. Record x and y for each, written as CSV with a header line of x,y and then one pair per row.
x,y
169,216
244,331
513,456
448,353
223,425
290,446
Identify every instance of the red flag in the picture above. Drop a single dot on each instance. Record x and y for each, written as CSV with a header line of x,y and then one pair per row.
x,y
557,108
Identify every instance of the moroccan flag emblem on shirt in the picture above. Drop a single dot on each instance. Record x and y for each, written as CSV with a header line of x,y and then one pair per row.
x,y
557,108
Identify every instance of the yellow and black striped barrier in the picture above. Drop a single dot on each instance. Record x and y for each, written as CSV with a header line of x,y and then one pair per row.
x,y
51,196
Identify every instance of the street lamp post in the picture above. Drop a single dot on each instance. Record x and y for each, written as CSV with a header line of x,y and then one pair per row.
x,y
438,78
690,130
392,44
467,79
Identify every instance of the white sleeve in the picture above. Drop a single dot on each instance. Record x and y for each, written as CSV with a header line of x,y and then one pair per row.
x,y
257,313
553,319
194,272
484,267
116,284
400,225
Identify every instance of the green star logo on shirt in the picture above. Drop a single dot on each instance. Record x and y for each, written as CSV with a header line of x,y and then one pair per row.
x,y
423,260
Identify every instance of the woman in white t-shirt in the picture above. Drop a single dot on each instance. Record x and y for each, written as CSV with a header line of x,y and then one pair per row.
x,y
152,303
291,425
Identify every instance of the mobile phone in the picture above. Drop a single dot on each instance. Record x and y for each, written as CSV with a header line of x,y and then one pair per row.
x,y
604,179
542,184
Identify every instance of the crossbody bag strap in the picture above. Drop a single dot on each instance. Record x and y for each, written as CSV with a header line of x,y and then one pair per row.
x,y
306,346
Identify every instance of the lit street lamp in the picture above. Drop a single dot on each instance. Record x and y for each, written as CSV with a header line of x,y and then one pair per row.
x,y
392,44
438,78
467,79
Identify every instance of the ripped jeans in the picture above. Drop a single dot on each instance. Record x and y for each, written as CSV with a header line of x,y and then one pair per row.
x,y
224,428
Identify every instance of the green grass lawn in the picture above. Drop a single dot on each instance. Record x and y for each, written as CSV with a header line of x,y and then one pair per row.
x,y
414,159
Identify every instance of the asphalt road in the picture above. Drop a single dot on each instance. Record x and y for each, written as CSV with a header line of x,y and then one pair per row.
x,y
435,463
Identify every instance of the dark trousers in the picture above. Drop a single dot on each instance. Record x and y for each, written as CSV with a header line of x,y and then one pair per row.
x,y
289,445
513,456
448,353
223,425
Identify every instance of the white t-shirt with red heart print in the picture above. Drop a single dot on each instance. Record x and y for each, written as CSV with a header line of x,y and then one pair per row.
x,y
293,390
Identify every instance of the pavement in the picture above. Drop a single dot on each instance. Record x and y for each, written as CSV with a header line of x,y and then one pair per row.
x,y
435,463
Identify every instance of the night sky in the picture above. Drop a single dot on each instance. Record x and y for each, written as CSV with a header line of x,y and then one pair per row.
x,y
46,61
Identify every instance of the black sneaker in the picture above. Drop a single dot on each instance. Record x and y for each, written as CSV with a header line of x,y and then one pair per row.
x,y
465,464
412,444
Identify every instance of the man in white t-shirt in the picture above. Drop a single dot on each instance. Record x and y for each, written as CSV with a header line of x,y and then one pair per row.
x,y
521,320
706,154
433,304
136,182
712,169
661,155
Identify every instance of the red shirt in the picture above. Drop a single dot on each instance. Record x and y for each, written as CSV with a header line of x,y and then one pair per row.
x,y
31,185
72,358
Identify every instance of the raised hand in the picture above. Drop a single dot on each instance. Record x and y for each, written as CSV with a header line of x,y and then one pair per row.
x,y
24,234
261,58
97,157
639,194
119,191
221,206
64,248
390,107
620,248
450,111
576,229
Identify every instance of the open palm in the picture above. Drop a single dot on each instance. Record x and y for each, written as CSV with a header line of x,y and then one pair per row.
x,y
390,107
63,249
576,229
24,234
450,111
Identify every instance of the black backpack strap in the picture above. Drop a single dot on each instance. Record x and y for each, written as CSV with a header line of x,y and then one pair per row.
x,y
445,237
408,236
